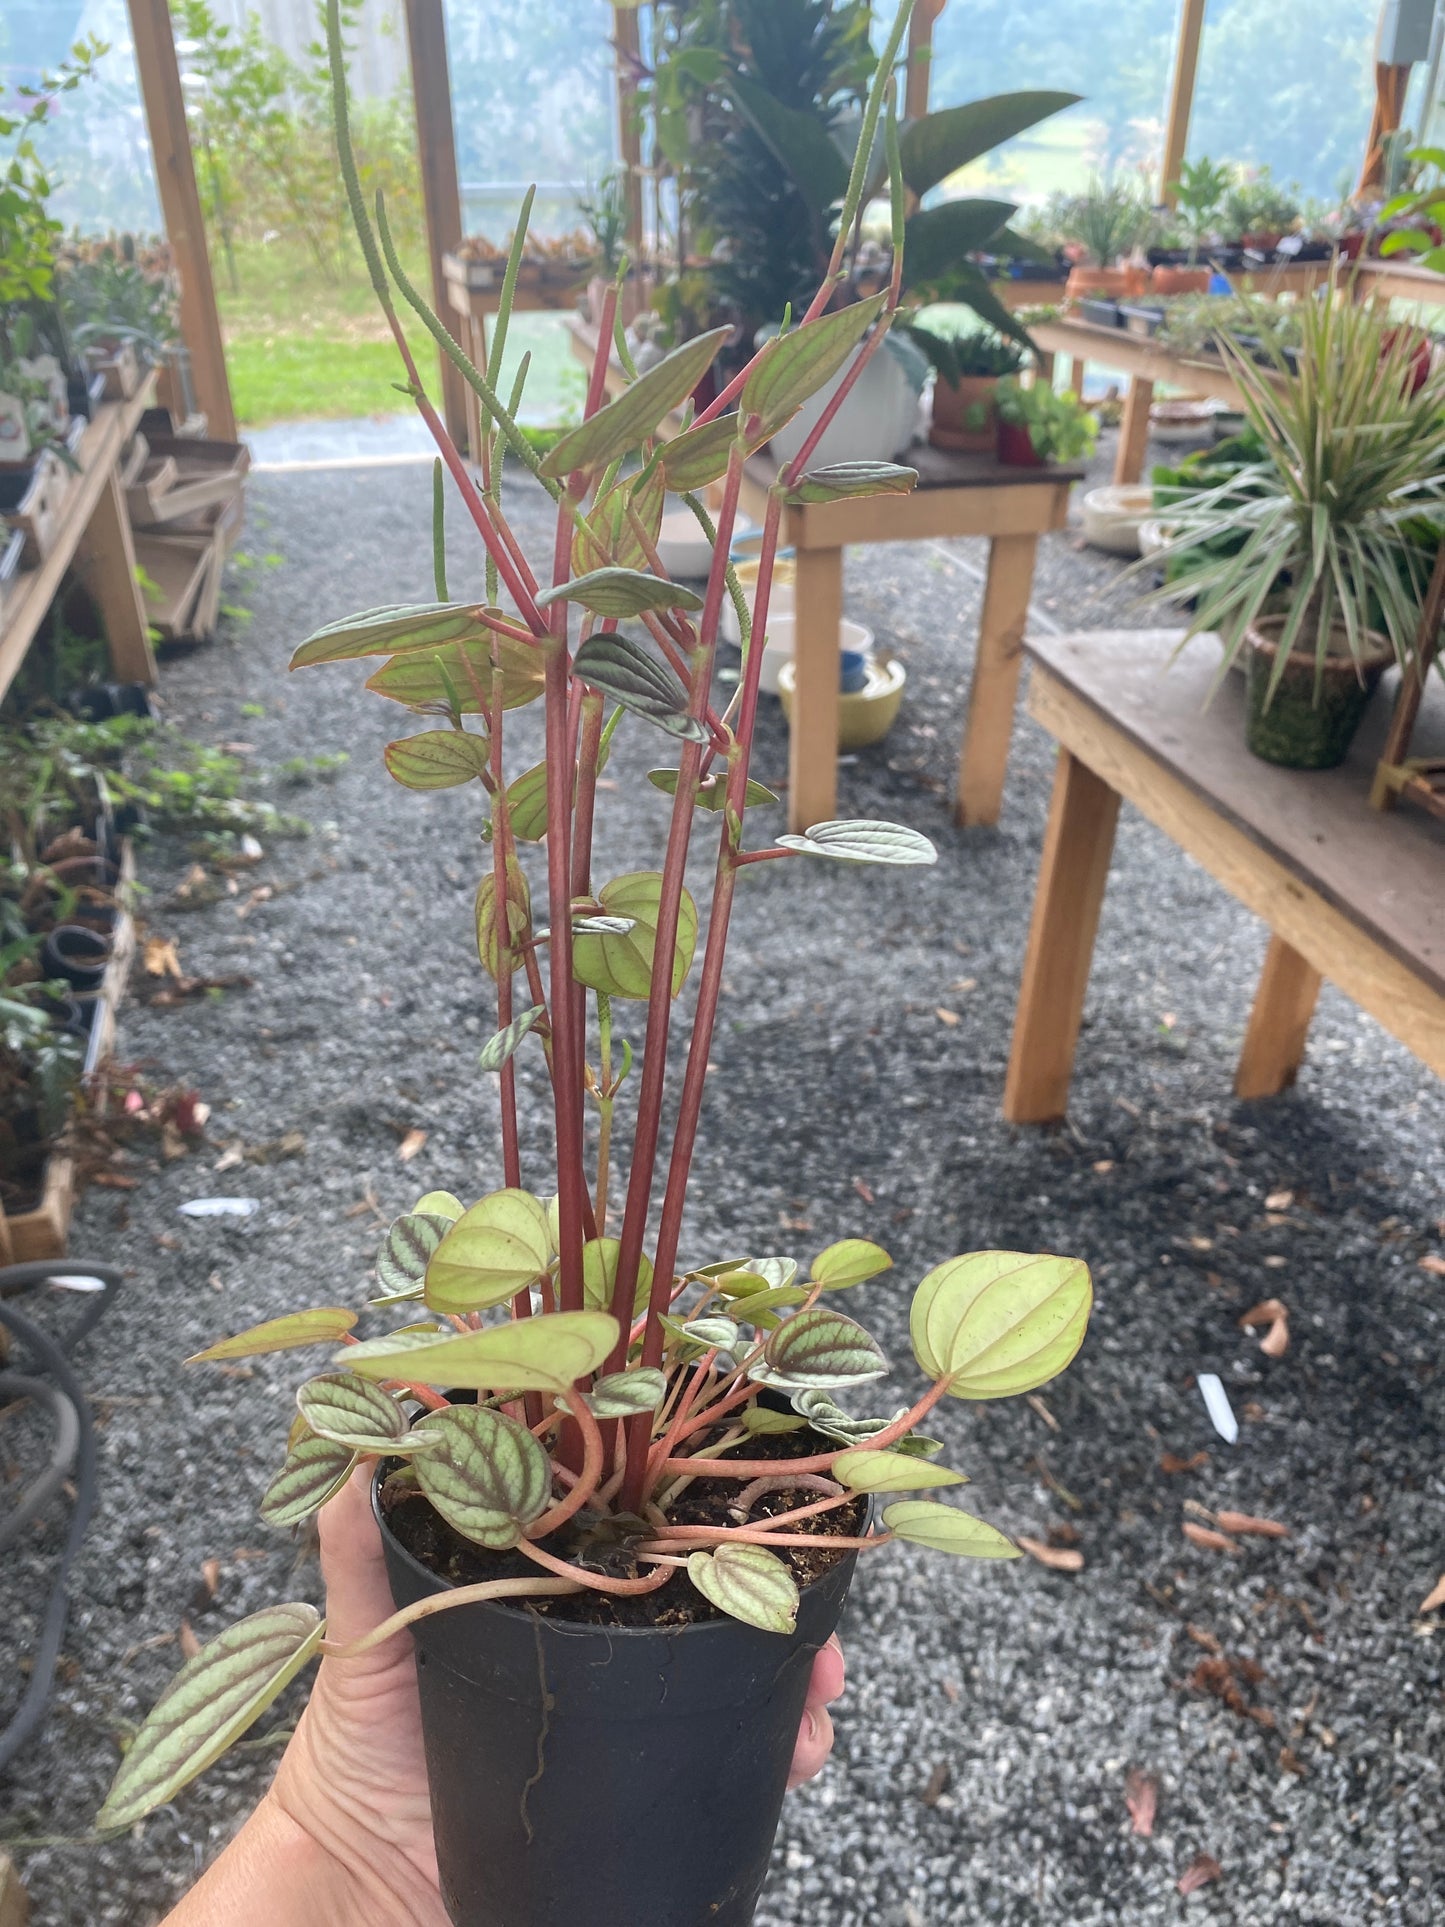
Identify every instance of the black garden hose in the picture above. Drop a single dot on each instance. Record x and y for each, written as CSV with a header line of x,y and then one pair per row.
x,y
72,1455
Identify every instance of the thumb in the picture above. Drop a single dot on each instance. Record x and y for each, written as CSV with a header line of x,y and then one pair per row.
x,y
358,1593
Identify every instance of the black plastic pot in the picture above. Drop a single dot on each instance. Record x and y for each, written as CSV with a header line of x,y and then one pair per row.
x,y
591,1777
105,699
15,480
76,955
1103,314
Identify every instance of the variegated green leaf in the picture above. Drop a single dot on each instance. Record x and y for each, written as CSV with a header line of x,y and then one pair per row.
x,y
210,1703
863,841
846,481
864,1471
849,1262
625,423
438,759
599,1274
485,1474
711,793
997,1323
349,1412
825,1415
314,1472
748,1583
625,1394
620,964
943,1528
500,1247
796,365
763,1422
527,804
507,1041
519,917
320,1327
406,1251
622,592
775,1271
441,1204
701,454
427,679
389,632
549,1353
819,1349
623,670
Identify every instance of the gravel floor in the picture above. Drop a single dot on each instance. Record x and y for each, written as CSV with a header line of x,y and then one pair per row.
x,y
993,1712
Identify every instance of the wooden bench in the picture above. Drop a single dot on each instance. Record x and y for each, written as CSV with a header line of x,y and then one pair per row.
x,y
1348,893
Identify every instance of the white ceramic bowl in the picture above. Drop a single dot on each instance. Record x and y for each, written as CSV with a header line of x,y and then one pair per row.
x,y
779,646
682,548
1112,517
780,599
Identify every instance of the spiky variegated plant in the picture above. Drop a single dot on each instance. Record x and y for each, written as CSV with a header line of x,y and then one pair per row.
x,y
608,1378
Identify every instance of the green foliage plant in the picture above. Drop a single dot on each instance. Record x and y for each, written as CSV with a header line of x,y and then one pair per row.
x,y
1421,208
28,230
609,1373
958,347
1255,203
1060,428
604,209
114,289
1109,220
1339,517
1199,196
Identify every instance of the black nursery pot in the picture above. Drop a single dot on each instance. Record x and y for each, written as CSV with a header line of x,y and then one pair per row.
x,y
586,1776
76,955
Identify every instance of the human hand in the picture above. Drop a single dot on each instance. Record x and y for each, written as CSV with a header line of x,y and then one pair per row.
x,y
354,1776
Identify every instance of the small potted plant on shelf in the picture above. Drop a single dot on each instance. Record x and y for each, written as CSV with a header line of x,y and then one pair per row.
x,y
1103,225
620,1492
604,210
1039,424
1198,199
1311,562
1257,212
968,361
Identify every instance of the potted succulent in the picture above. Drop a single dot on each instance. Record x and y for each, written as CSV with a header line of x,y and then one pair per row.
x,y
1257,212
1039,424
968,362
1103,224
1311,562
620,1500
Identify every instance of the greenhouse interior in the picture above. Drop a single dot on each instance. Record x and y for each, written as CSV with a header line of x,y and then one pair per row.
x,y
866,580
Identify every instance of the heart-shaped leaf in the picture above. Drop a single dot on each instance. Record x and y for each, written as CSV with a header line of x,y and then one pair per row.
x,y
796,365
438,759
485,1474
748,1583
623,670
599,1274
621,964
625,423
506,1042
519,917
406,1251
615,591
527,804
741,1282
849,1262
209,1704
864,1471
845,481
775,1272
389,632
763,1422
712,792
549,1353
943,1528
352,1413
700,455
608,536
625,1394
314,1472
825,1415
499,1248
320,1327
863,841
427,679
761,1307
819,1349
440,1204
998,1323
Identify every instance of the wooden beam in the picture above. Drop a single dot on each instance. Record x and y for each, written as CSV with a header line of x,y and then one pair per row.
x,y
431,93
1392,83
1181,94
1274,1044
627,39
920,56
165,105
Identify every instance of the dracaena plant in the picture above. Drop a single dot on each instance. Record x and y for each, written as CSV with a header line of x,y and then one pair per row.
x,y
609,1376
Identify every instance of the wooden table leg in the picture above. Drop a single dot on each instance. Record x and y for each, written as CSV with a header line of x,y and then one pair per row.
x,y
1133,433
14,1903
1076,377
1274,1044
107,553
813,749
988,726
1072,874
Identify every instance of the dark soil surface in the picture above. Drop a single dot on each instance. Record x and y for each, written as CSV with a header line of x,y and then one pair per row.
x,y
1284,1696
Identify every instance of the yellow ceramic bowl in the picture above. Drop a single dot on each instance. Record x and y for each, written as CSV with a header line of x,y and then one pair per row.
x,y
864,718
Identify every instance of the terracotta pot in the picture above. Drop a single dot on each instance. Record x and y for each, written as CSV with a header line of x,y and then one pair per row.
x,y
1136,278
1301,727
1181,280
952,405
1350,246
1106,281
1016,448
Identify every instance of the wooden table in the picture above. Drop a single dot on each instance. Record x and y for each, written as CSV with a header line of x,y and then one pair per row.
x,y
955,495
95,532
1348,893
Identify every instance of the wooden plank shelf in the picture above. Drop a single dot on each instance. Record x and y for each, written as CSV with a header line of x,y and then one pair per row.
x,y
95,532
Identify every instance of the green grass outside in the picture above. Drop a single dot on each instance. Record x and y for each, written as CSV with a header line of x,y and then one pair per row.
x,y
302,348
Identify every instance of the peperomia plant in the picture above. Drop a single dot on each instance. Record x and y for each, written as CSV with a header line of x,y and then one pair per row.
x,y
558,1386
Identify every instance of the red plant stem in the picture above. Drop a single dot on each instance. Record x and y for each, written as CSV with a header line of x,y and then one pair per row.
x,y
567,1062
501,856
597,381
830,1504
785,1482
501,627
700,1468
593,1466
433,1401
755,1536
659,1013
677,1429
595,1581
